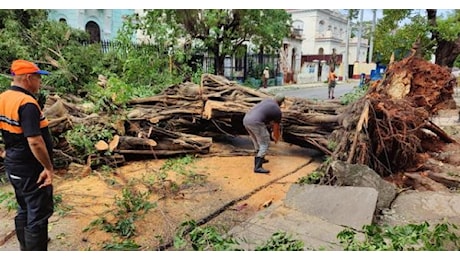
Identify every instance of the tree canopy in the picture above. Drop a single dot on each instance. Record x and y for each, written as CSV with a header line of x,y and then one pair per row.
x,y
28,34
399,29
75,64
221,32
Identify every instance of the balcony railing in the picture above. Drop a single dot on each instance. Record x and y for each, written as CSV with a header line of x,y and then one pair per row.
x,y
297,33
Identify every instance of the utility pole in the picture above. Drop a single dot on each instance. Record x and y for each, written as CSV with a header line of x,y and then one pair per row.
x,y
347,46
360,32
371,46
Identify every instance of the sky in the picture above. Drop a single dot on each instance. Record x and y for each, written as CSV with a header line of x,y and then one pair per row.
x,y
368,14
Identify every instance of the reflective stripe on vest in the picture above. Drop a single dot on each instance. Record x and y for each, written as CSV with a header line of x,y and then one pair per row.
x,y
9,108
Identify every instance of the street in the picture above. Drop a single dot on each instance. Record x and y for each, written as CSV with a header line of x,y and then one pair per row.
x,y
313,90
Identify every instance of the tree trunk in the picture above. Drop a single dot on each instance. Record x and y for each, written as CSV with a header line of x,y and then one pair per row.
x,y
218,61
446,51
261,55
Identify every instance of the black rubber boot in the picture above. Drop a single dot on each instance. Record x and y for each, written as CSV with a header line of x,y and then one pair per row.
x,y
38,240
264,160
19,228
258,166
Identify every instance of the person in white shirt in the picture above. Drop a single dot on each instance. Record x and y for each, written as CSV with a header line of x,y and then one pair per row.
x,y
265,76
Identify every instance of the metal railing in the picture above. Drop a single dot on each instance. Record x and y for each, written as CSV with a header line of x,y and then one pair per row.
x,y
249,66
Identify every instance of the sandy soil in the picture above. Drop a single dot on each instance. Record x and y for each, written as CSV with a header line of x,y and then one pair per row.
x,y
220,191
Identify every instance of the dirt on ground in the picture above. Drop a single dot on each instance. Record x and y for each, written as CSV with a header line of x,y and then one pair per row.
x,y
217,190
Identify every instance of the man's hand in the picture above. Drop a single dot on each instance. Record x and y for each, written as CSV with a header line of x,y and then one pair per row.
x,y
38,147
46,177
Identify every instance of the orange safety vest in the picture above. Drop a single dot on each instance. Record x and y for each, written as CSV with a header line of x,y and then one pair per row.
x,y
9,111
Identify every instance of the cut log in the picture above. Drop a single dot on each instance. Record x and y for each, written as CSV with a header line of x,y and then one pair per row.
x,y
135,143
60,125
101,146
217,109
56,110
114,143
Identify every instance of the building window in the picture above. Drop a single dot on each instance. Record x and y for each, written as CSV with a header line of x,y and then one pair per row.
x,y
321,51
63,20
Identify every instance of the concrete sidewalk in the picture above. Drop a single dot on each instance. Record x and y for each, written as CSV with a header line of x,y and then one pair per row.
x,y
315,214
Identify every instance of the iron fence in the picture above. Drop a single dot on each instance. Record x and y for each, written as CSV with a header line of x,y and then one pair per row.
x,y
238,69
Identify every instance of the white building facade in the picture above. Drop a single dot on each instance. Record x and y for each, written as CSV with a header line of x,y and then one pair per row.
x,y
324,32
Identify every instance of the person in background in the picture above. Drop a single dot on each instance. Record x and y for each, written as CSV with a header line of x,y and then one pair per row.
x,y
265,114
28,155
332,77
265,77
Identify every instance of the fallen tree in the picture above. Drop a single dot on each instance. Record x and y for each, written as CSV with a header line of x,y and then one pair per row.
x,y
217,107
388,129
185,119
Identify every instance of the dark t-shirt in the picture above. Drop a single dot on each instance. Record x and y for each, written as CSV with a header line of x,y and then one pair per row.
x,y
266,111
20,160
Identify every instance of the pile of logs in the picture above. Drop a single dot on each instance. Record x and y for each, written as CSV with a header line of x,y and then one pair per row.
x,y
217,107
186,118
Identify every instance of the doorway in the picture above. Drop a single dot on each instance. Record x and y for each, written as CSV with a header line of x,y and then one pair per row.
x,y
94,32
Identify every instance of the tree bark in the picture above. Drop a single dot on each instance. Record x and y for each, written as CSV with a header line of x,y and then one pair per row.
x,y
447,51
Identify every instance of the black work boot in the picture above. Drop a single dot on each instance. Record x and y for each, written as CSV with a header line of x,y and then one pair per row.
x,y
19,225
36,240
264,160
258,166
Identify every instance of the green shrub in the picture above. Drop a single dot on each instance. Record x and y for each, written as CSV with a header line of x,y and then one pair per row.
x,y
281,241
83,138
411,237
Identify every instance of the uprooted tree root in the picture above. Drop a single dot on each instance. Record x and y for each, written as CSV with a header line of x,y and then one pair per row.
x,y
389,129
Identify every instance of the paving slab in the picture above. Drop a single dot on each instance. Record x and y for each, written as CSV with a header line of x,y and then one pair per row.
x,y
316,233
341,205
414,207
314,214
